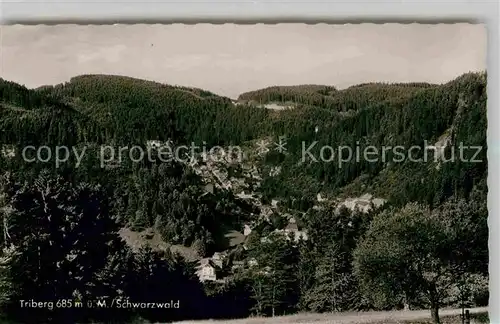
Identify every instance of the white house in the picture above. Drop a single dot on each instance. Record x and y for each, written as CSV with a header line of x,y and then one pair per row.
x,y
206,270
293,228
243,195
252,262
364,203
275,171
247,230
154,144
209,188
237,265
378,202
300,235
218,258
319,198
8,151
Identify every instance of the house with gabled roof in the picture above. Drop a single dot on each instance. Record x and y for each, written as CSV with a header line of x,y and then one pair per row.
x,y
292,227
206,270
218,258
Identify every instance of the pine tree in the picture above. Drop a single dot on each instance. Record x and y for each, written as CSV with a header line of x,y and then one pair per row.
x,y
63,237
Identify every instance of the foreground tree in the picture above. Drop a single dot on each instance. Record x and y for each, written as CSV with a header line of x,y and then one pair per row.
x,y
273,283
410,253
333,236
162,277
62,245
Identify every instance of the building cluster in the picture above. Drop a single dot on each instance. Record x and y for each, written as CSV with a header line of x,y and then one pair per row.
x,y
8,151
291,231
365,203
211,269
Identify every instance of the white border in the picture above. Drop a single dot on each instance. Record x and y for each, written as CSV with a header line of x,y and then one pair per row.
x,y
222,11
110,11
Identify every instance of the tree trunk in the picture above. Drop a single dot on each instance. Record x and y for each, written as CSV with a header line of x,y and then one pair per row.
x,y
406,304
273,297
435,313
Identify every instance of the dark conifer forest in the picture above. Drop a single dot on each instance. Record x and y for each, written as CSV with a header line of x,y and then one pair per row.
x,y
310,236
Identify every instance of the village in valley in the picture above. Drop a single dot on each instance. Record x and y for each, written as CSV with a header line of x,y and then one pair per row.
x,y
309,173
244,184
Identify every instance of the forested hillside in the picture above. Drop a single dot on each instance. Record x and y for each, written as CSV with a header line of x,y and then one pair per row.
x,y
283,234
133,111
352,98
447,110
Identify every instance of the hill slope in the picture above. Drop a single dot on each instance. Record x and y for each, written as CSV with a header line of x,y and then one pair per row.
x,y
352,98
282,210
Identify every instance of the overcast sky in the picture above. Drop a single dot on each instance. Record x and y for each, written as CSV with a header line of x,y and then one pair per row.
x,y
230,59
